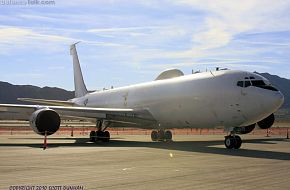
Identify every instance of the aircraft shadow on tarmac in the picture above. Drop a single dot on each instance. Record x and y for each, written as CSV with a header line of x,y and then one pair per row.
x,y
189,146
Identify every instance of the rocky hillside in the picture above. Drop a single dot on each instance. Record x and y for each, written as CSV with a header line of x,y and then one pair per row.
x,y
9,93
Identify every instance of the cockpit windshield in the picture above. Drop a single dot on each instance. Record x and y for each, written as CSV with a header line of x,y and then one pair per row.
x,y
251,81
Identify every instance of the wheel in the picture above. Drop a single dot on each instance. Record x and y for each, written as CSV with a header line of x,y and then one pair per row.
x,y
168,135
103,136
106,136
229,142
154,135
99,135
238,142
93,136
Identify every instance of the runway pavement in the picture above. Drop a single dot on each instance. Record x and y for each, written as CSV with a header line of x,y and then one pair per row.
x,y
134,162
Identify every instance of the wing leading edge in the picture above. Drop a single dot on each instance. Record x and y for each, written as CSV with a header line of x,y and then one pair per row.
x,y
47,102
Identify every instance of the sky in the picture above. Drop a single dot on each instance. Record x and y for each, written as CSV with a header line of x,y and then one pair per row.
x,y
126,42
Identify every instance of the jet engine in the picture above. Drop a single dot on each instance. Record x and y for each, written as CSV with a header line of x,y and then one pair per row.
x,y
267,122
244,130
45,120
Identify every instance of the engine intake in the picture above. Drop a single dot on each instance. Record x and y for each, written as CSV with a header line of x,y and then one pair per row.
x,y
45,120
267,122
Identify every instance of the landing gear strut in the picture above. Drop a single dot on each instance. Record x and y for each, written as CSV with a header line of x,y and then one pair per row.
x,y
233,141
101,134
161,135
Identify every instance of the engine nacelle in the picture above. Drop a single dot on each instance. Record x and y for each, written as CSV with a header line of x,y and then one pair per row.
x,y
267,122
45,120
244,130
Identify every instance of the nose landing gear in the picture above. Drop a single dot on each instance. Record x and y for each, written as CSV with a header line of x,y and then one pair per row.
x,y
233,141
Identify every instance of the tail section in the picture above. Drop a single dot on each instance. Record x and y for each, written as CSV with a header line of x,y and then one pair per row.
x,y
80,87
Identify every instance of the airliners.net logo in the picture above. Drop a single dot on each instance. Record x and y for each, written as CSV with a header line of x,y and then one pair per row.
x,y
27,2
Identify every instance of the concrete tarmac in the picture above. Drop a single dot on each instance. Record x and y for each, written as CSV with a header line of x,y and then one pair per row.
x,y
134,162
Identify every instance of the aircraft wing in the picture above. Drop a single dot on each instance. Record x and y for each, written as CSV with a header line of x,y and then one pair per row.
x,y
116,115
47,102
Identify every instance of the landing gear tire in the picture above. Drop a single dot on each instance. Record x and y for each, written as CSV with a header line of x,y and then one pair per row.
x,y
103,136
106,137
99,135
233,142
93,136
161,135
238,142
154,135
229,142
168,135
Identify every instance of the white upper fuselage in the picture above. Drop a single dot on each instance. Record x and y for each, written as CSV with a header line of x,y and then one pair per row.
x,y
202,100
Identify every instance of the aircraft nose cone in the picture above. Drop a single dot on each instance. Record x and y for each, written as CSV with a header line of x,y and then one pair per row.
x,y
272,101
279,99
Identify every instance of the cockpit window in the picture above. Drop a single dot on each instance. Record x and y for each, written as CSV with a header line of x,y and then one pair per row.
x,y
240,83
256,83
244,83
247,83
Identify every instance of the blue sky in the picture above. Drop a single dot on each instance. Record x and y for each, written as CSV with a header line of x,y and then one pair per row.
x,y
126,42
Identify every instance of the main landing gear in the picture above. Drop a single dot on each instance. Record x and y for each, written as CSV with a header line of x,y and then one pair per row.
x,y
233,141
161,135
101,134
